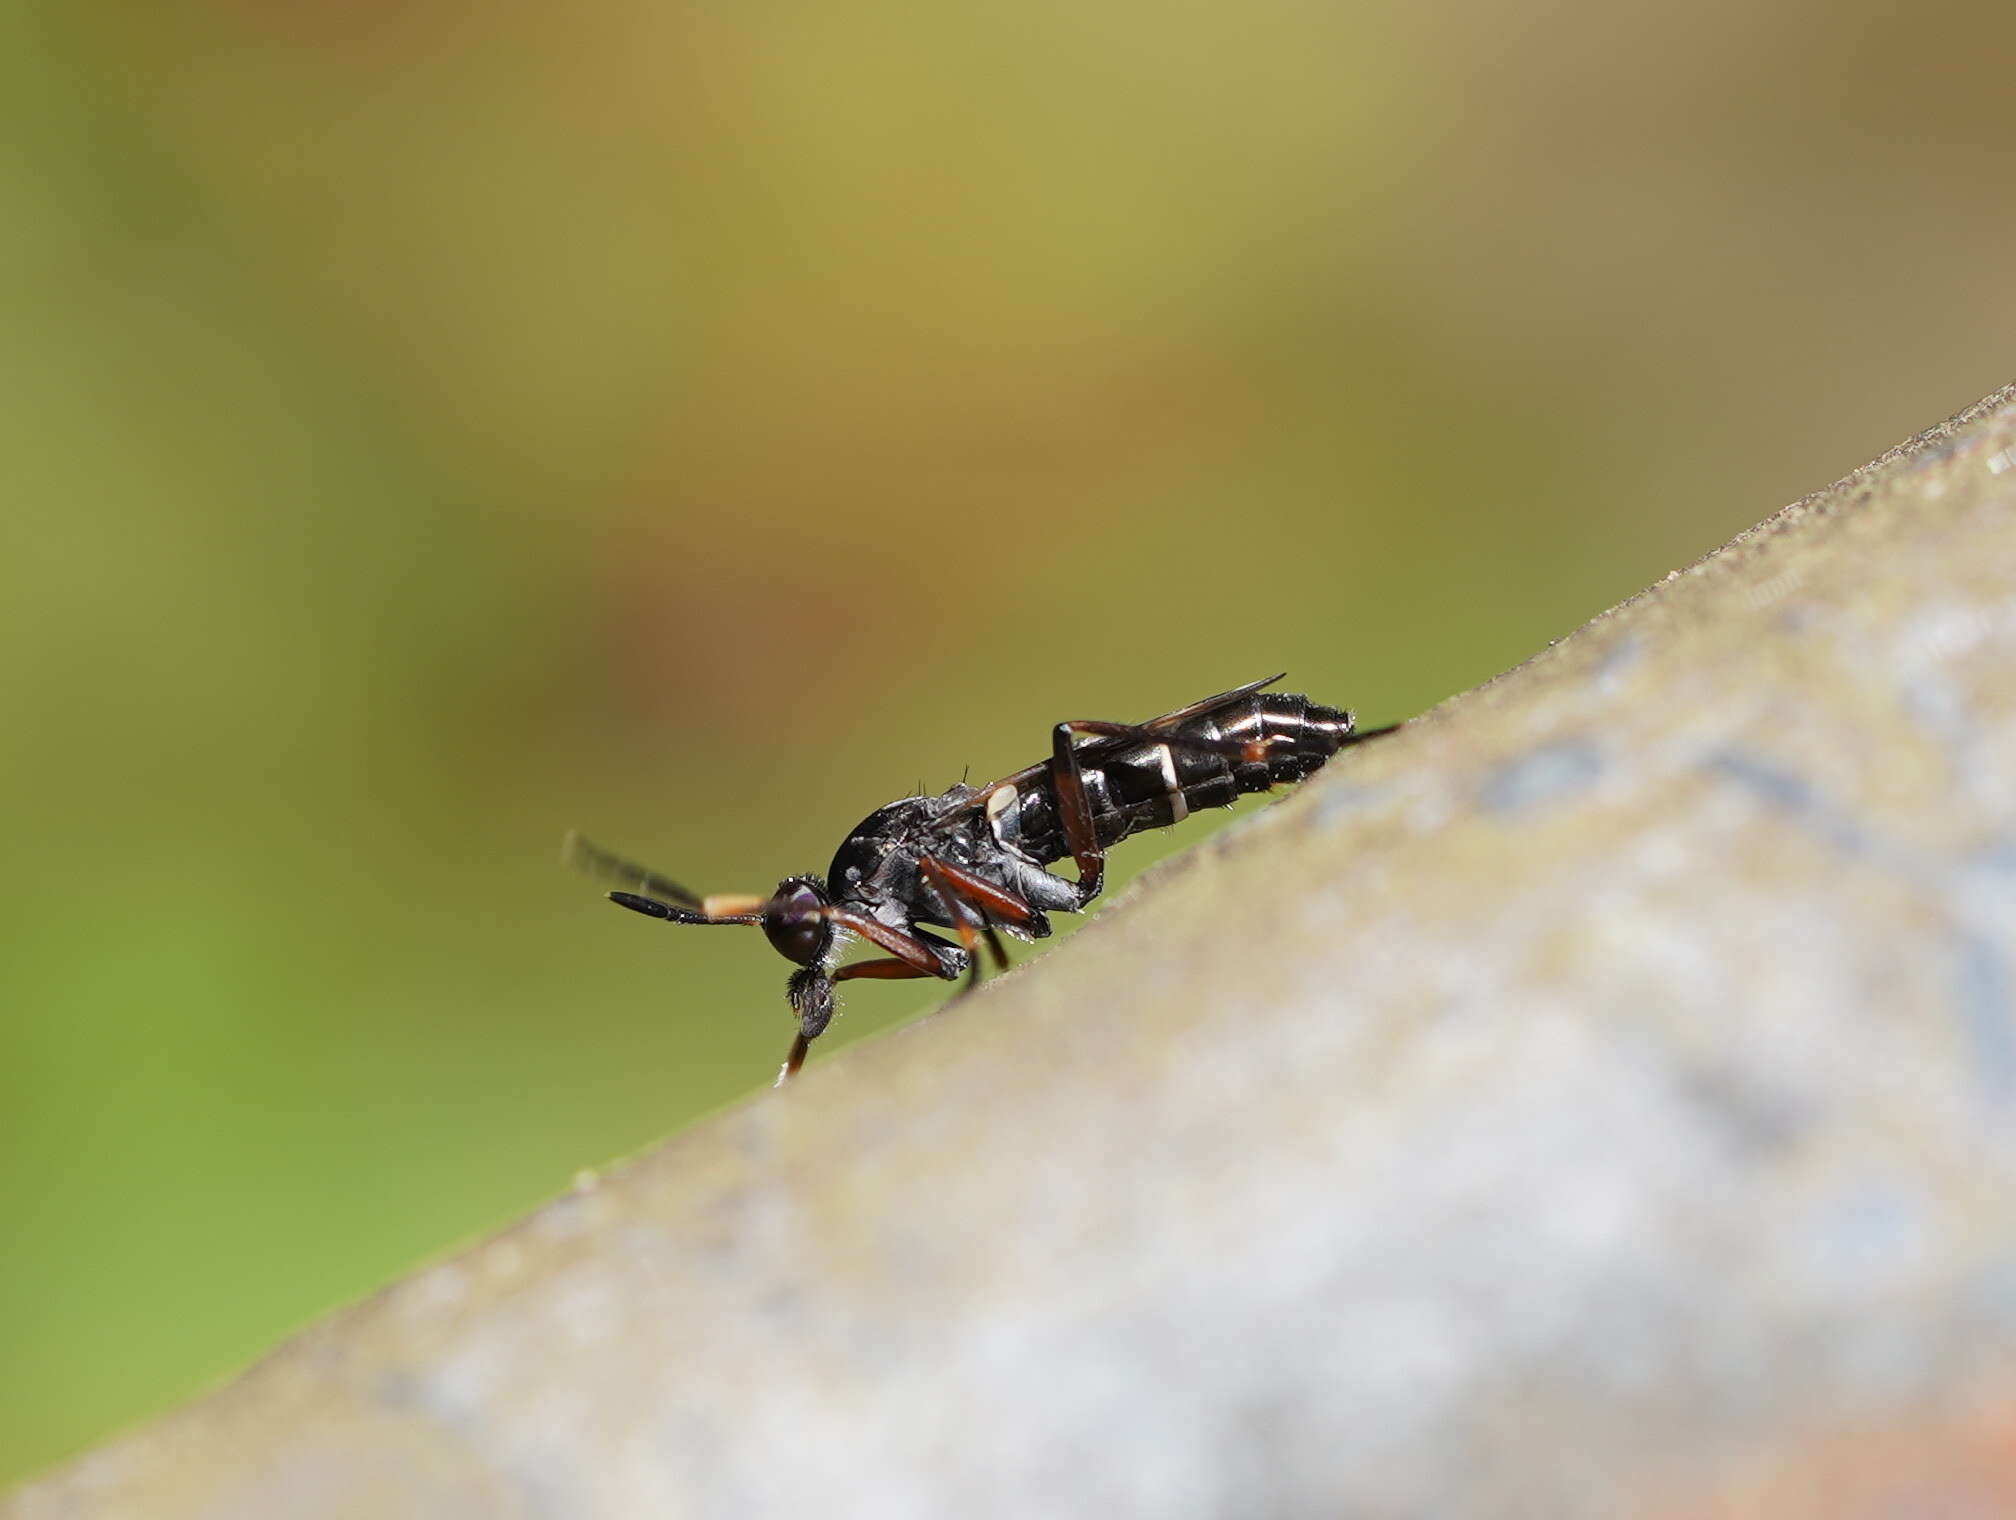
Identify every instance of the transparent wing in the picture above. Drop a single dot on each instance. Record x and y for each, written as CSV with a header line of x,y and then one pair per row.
x,y
1183,715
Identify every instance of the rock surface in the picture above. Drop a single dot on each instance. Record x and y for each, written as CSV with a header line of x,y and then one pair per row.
x,y
1598,1099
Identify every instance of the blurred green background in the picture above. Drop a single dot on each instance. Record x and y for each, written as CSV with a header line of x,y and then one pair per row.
x,y
428,426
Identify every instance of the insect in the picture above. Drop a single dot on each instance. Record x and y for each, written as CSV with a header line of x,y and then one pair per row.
x,y
972,859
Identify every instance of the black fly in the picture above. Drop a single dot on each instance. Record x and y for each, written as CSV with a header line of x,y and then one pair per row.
x,y
971,859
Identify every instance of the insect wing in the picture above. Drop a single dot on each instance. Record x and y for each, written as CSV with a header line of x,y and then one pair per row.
x,y
1183,715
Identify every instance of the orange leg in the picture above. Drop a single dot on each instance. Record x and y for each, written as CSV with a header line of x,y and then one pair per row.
x,y
954,887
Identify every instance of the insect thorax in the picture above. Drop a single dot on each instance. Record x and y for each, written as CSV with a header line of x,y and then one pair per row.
x,y
877,862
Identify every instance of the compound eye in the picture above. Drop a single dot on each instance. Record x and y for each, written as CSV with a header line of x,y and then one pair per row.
x,y
795,921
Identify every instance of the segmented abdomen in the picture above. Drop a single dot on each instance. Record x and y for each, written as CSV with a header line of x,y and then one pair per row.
x,y
1135,786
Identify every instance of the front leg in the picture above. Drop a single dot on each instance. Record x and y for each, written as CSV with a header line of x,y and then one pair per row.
x,y
811,989
928,954
951,960
976,904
